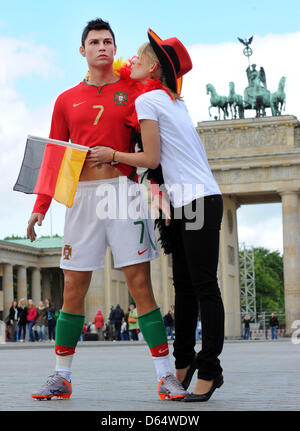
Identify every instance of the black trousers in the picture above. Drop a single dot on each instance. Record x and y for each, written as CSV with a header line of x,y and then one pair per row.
x,y
195,261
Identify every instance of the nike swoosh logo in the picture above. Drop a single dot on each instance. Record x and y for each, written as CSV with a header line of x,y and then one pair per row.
x,y
62,352
77,104
163,351
141,252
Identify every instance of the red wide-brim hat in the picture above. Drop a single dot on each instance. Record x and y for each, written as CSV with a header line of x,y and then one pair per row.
x,y
173,57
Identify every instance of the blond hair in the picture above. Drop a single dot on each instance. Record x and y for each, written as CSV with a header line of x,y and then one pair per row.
x,y
21,302
146,49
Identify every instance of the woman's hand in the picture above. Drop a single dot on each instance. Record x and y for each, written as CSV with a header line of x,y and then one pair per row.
x,y
98,155
159,202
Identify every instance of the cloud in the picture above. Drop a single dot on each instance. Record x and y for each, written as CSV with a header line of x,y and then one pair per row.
x,y
19,60
224,62
260,226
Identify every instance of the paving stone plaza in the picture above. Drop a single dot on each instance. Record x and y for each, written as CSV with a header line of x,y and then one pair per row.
x,y
119,376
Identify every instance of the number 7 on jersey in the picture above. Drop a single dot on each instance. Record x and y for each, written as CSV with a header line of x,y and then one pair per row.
x,y
99,113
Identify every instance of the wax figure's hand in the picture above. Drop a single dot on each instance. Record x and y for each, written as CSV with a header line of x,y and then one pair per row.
x,y
99,155
159,202
35,218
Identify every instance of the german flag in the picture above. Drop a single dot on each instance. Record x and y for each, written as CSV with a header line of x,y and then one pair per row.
x,y
51,167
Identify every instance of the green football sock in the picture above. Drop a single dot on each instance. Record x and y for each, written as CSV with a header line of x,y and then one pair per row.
x,y
68,329
154,332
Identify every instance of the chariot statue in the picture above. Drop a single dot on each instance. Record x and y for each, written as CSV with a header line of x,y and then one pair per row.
x,y
256,95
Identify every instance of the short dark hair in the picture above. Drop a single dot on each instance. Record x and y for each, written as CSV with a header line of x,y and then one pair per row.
x,y
96,24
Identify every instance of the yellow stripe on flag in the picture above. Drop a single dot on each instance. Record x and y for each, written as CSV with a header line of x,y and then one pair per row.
x,y
68,176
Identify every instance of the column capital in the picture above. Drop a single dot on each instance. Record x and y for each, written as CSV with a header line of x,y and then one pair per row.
x,y
286,192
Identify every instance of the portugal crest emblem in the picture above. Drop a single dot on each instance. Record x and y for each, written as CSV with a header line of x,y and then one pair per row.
x,y
67,252
120,98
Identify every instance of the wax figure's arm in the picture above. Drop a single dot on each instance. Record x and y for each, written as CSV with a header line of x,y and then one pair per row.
x,y
148,158
59,130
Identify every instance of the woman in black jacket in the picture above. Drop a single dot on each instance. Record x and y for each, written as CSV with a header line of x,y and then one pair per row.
x,y
50,317
13,319
22,321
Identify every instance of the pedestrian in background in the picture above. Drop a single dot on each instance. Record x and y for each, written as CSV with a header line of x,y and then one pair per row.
x,y
51,319
111,324
117,317
169,323
22,321
13,320
132,323
41,321
31,316
247,321
124,329
99,323
274,325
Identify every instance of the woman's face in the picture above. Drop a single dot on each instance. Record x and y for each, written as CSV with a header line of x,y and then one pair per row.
x,y
142,68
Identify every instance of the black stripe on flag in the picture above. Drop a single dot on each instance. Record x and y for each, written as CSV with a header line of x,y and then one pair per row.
x,y
33,156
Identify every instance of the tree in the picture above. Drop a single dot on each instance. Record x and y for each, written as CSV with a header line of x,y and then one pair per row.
x,y
269,282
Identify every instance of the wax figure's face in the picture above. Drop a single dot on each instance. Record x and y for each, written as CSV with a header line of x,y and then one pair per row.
x,y
142,68
99,49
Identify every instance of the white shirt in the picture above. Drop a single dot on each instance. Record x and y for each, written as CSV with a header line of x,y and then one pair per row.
x,y
183,159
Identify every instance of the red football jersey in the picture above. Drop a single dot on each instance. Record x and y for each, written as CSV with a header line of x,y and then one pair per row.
x,y
91,116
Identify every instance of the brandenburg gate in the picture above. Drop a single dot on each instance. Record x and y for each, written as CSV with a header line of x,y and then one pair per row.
x,y
256,160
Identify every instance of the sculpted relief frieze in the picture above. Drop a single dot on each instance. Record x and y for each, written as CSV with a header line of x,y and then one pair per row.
x,y
240,141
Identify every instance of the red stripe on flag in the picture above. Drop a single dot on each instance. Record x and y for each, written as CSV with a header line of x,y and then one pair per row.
x,y
64,350
49,169
161,350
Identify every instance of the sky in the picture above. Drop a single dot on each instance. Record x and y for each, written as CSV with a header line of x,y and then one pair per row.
x,y
39,45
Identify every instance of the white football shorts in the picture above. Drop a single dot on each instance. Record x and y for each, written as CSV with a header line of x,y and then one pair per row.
x,y
108,213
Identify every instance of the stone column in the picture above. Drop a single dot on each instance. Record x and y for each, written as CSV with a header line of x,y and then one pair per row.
x,y
21,283
8,288
94,298
229,268
56,295
36,285
46,284
291,256
107,285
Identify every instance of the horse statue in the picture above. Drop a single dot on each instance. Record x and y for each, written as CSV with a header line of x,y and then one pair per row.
x,y
278,98
220,102
235,102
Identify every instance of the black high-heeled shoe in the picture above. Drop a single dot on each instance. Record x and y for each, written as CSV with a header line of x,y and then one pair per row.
x,y
189,375
217,383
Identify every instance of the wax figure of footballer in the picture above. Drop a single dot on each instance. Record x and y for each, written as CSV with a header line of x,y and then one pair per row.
x,y
94,113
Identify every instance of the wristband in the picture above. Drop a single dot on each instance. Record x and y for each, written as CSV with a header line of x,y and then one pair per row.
x,y
113,155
